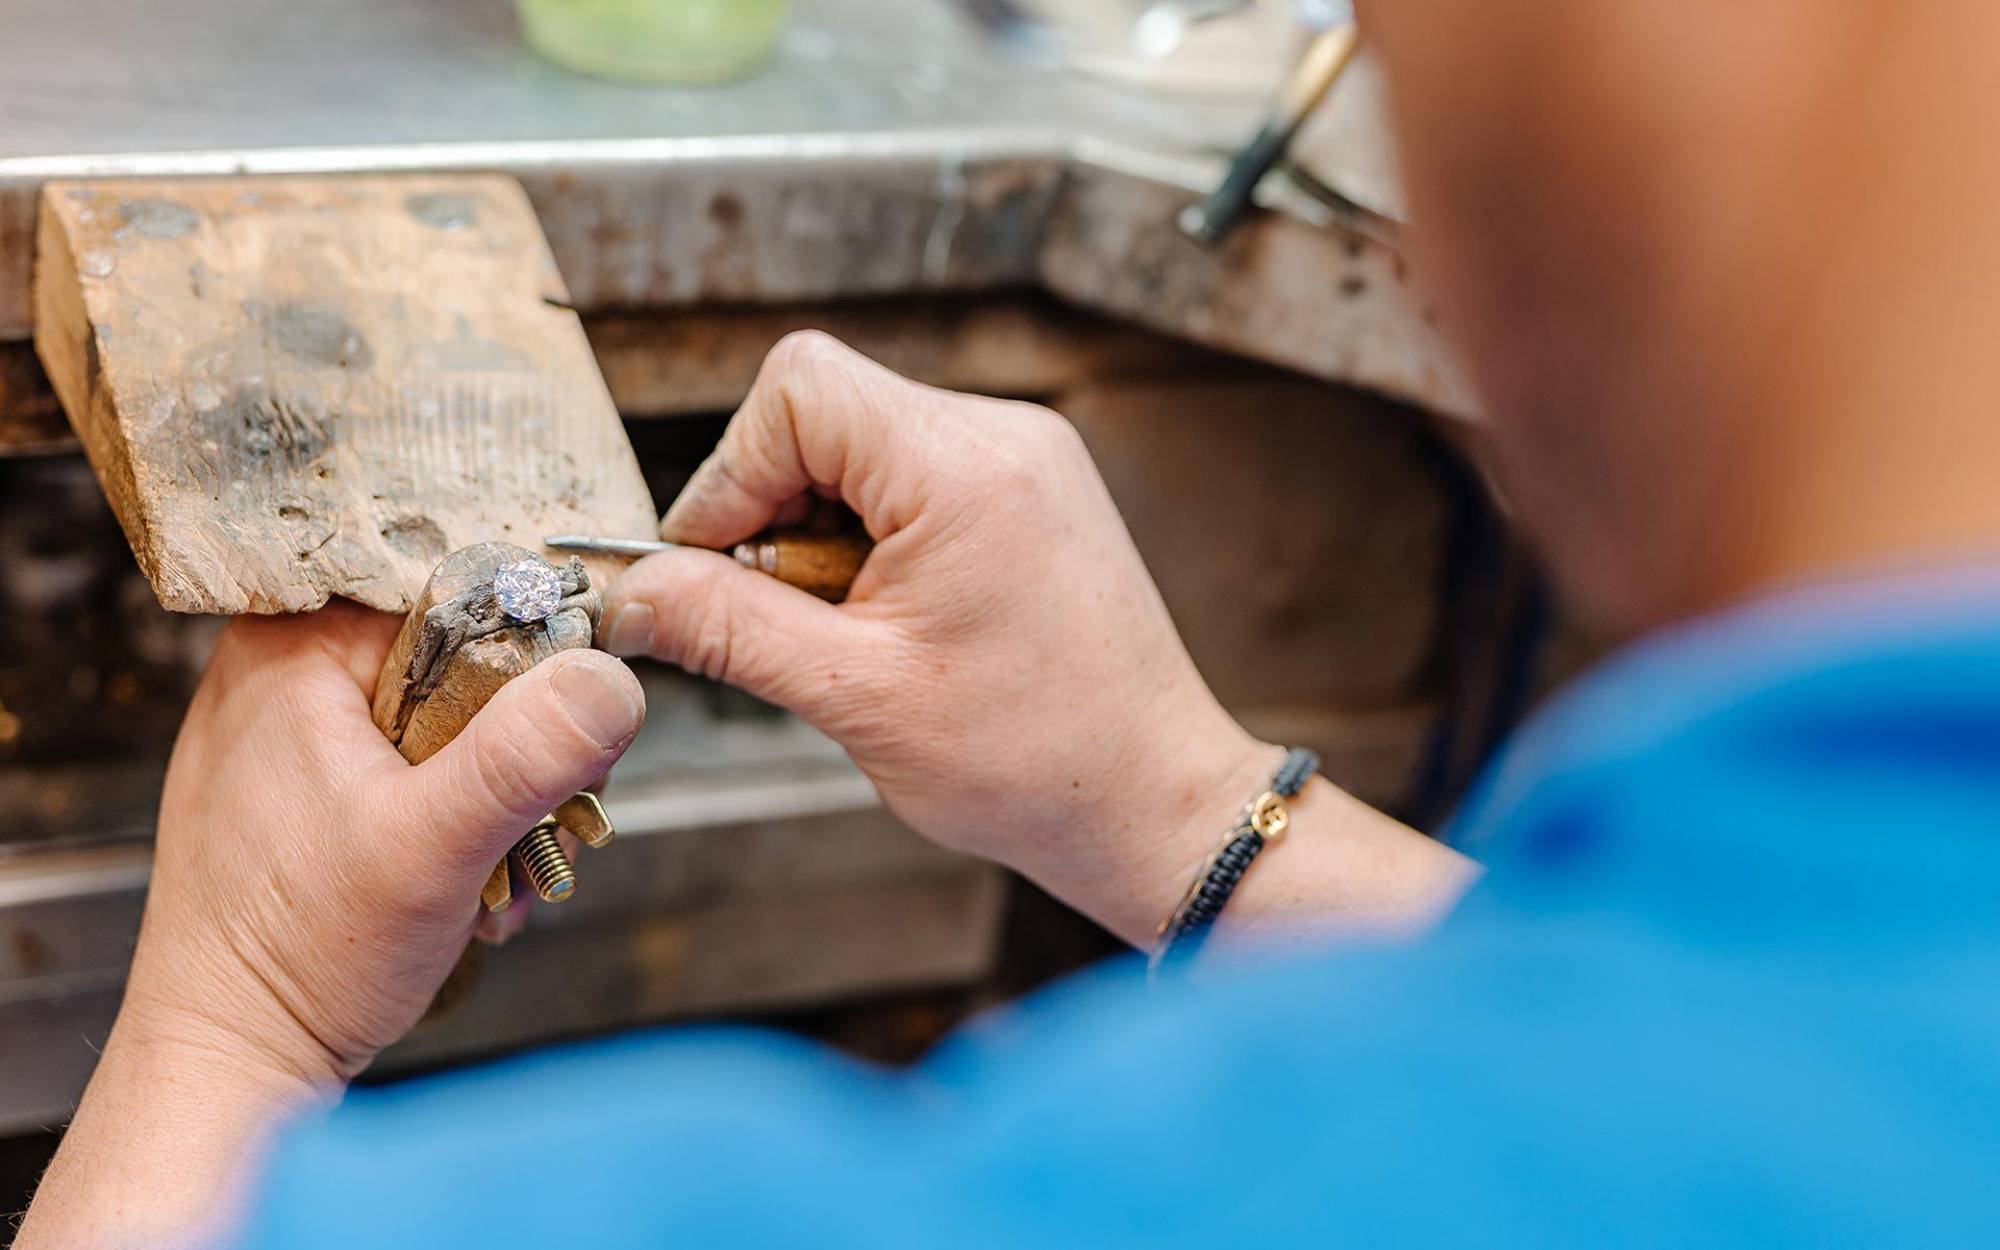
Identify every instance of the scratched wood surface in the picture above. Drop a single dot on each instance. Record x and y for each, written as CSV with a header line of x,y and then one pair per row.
x,y
294,388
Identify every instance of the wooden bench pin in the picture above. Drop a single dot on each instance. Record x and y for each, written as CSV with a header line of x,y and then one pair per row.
x,y
294,388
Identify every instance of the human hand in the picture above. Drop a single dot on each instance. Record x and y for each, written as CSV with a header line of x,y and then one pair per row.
x,y
311,889
1003,670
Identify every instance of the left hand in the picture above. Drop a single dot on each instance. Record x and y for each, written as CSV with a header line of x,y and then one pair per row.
x,y
311,889
310,892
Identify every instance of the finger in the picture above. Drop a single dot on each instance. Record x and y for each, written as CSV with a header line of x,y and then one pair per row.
x,y
361,638
794,511
820,418
497,928
710,615
547,734
355,638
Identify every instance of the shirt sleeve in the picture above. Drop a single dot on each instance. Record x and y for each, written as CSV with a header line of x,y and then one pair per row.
x,y
1550,1069
1098,1113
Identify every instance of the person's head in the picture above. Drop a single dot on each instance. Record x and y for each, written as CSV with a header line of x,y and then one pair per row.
x,y
1723,273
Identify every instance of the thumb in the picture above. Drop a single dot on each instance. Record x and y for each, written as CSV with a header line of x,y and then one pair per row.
x,y
547,734
706,613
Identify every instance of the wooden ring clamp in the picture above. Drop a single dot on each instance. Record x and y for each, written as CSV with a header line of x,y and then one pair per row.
x,y
456,649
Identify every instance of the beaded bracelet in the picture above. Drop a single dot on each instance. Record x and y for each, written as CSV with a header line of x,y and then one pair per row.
x,y
1263,822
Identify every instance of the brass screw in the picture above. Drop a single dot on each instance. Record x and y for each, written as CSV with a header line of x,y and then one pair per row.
x,y
544,864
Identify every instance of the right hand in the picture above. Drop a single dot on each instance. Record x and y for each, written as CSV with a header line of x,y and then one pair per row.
x,y
1004,669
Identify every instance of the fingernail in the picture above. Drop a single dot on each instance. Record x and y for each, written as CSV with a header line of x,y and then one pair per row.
x,y
598,701
631,630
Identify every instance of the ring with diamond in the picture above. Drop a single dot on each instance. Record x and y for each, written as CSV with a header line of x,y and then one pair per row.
x,y
527,590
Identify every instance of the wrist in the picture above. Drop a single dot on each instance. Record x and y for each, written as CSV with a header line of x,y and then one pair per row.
x,y
213,1065
169,1134
197,1004
1155,830
1203,828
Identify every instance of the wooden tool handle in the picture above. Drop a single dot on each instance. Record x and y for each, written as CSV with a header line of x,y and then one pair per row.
x,y
421,721
819,564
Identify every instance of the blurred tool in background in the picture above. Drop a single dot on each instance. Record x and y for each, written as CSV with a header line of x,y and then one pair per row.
x,y
703,41
1135,40
655,41
1120,38
1326,57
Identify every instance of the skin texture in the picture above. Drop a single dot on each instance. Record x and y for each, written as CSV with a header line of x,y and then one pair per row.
x,y
1004,669
1053,722
1723,273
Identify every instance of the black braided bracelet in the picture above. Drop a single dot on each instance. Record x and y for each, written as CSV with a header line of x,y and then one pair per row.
x,y
1263,822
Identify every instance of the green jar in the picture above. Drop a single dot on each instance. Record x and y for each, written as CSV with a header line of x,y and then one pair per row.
x,y
659,41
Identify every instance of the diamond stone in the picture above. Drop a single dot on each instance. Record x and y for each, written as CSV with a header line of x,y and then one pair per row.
x,y
527,590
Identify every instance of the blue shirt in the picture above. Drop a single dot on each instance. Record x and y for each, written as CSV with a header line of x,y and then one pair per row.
x,y
1732,978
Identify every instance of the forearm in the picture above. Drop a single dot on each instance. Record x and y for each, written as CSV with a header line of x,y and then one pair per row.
x,y
169,1132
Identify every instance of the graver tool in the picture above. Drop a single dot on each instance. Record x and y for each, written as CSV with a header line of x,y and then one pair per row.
x,y
819,564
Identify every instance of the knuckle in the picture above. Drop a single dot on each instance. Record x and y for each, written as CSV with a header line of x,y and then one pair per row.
x,y
708,631
810,371
1063,435
799,363
803,351
1048,431
1013,466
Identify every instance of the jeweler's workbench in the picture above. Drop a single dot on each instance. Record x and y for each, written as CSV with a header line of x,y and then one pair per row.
x,y
889,150
968,219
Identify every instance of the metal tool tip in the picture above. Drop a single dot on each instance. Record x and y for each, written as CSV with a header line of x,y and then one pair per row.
x,y
606,546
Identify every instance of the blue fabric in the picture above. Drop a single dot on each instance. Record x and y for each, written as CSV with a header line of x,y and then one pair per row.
x,y
1733,978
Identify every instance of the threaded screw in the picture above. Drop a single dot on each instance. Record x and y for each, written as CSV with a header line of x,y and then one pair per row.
x,y
544,864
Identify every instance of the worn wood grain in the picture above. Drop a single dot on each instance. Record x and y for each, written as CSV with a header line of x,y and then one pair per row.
x,y
294,388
